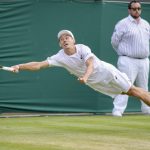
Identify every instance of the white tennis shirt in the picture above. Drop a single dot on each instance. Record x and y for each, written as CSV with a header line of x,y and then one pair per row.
x,y
103,75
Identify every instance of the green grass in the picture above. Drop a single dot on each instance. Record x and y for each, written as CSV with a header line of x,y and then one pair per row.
x,y
75,133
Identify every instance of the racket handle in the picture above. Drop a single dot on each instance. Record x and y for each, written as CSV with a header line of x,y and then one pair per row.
x,y
8,69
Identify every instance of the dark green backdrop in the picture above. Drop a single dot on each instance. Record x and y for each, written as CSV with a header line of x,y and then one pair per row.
x,y
28,32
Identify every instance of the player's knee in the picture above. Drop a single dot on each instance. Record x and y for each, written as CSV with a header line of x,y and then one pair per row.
x,y
131,91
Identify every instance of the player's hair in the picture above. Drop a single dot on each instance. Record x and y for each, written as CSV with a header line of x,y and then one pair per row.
x,y
134,1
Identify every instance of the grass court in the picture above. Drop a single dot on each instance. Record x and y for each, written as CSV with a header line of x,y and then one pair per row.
x,y
130,132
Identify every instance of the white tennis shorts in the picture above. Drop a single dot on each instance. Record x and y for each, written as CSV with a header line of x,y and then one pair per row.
x,y
119,83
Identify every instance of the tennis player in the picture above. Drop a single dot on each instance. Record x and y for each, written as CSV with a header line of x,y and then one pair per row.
x,y
89,69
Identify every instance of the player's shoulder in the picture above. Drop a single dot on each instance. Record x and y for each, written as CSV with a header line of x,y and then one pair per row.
x,y
82,49
81,46
60,51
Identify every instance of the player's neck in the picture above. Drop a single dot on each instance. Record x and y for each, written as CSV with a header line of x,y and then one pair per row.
x,y
70,51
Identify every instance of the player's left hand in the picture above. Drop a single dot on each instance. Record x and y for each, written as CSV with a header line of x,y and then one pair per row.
x,y
82,80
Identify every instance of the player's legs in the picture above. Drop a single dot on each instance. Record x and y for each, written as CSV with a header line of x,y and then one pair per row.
x,y
139,93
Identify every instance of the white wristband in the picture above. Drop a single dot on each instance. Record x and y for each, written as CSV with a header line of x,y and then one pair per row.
x,y
8,68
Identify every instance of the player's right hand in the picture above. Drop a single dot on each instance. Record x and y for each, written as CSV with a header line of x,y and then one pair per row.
x,y
15,68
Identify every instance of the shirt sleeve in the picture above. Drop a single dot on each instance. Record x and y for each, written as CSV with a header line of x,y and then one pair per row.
x,y
54,60
86,53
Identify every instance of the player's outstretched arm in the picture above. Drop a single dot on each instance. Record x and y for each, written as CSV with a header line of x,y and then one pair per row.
x,y
31,66
88,72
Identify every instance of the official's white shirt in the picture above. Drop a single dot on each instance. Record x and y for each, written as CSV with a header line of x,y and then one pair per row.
x,y
131,38
100,78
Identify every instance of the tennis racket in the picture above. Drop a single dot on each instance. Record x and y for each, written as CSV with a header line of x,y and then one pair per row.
x,y
6,68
